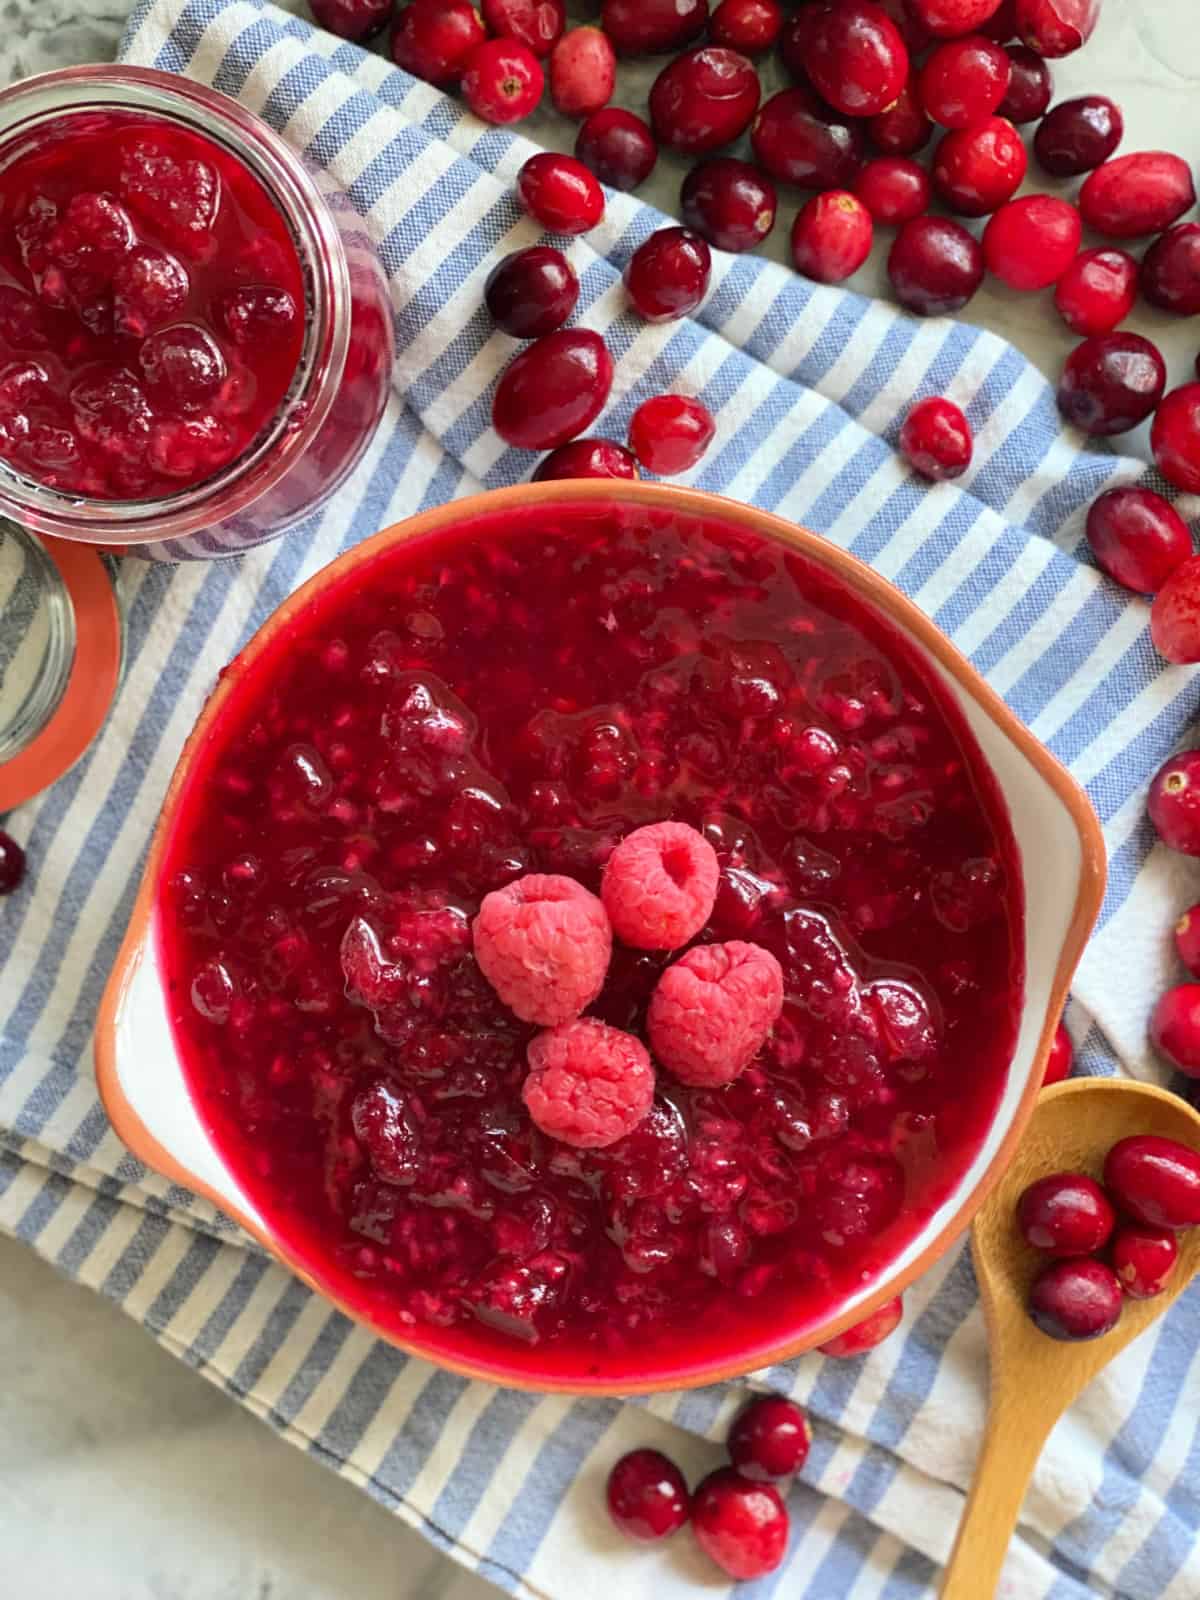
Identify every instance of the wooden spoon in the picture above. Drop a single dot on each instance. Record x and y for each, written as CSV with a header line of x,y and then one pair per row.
x,y
1035,1378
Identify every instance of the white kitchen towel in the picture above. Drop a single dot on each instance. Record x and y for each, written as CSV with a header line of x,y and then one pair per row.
x,y
809,385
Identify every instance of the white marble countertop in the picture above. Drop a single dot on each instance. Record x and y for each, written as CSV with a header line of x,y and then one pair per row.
x,y
125,1476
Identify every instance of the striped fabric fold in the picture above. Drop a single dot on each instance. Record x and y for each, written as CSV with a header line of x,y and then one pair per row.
x,y
808,385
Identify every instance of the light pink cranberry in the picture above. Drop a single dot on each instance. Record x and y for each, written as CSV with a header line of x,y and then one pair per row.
x,y
583,72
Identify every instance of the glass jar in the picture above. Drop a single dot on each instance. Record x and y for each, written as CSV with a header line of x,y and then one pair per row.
x,y
320,429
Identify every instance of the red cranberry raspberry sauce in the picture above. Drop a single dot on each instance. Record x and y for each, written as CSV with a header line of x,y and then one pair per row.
x,y
437,725
151,308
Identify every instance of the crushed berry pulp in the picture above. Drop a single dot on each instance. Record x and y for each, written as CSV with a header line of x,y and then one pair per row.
x,y
516,695
152,307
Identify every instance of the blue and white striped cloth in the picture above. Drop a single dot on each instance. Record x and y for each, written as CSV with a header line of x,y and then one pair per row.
x,y
808,384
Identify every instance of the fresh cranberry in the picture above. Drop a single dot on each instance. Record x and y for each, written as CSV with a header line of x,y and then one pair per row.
x,y
963,81
855,57
502,81
894,190
352,19
1078,135
936,439
1056,27
1029,243
769,1440
583,72
949,19
868,1333
669,433
531,292
903,128
667,275
742,1526
831,236
1002,24
1060,1059
618,147
1143,1259
1137,194
1137,537
647,1496
1175,1027
432,40
750,26
703,99
1155,1180
1175,437
1075,1299
587,458
1097,291
1174,801
653,27
553,390
935,266
1111,382
1187,940
730,203
1175,617
977,169
560,193
1170,277
537,24
12,863
1066,1214
795,144
1030,86
917,37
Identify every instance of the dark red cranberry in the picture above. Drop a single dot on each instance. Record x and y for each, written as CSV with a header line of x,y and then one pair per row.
x,y
1002,24
1078,135
1030,242
730,203
560,193
1111,382
1066,1214
855,57
703,99
502,81
587,458
1174,802
352,19
618,147
583,72
1187,940
936,439
894,190
1137,194
12,863
1175,437
769,1440
537,24
553,390
742,1526
793,43
1097,291
935,266
1056,27
1175,1027
1137,537
647,1496
667,275
950,19
977,169
1030,86
1143,1259
1060,1059
1155,1180
964,81
669,433
750,26
653,27
868,1333
1175,618
903,128
1170,277
797,145
917,37
531,292
433,41
831,236
1076,1299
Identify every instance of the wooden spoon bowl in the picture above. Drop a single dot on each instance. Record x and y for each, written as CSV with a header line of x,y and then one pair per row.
x,y
1035,1378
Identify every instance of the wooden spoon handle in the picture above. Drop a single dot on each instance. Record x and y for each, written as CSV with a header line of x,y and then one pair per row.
x,y
1011,1446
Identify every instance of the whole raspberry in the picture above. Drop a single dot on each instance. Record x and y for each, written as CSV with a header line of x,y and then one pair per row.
x,y
589,1084
543,942
659,886
712,1009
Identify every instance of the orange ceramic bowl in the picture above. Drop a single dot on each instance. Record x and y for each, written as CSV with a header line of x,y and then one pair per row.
x,y
141,1075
